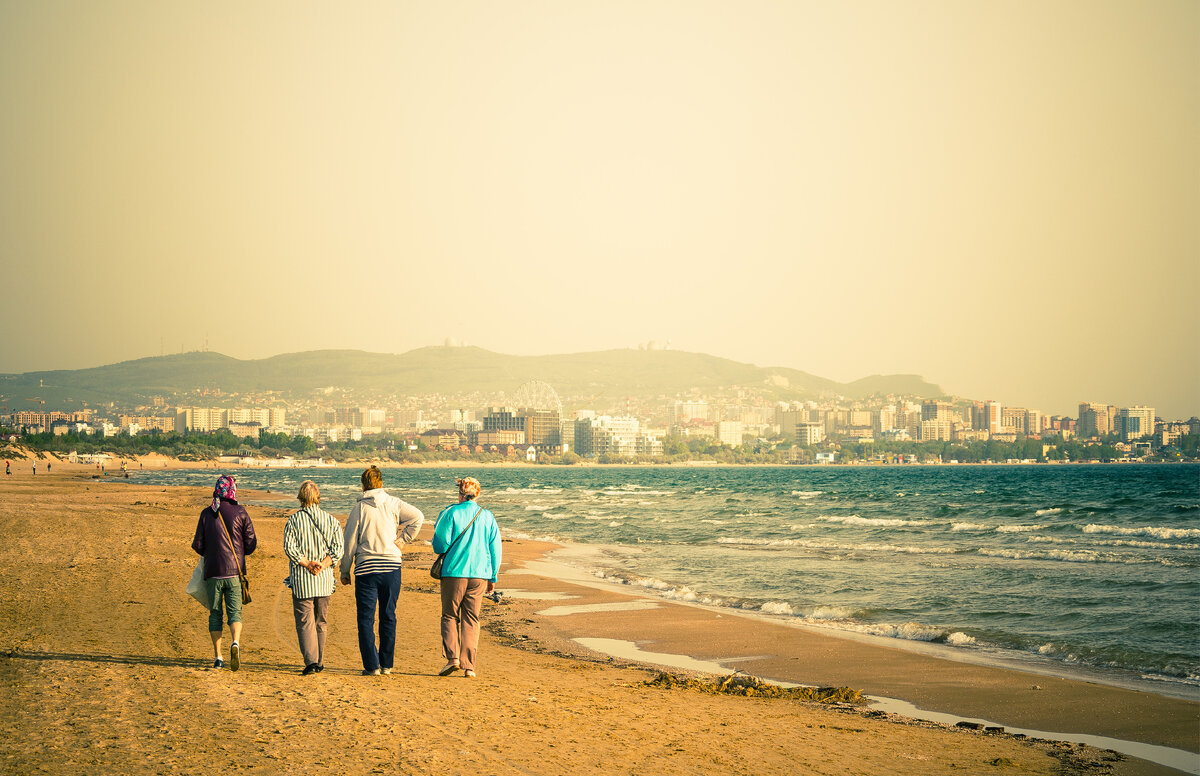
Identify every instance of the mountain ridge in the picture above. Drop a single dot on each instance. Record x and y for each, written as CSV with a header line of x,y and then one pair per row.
x,y
606,374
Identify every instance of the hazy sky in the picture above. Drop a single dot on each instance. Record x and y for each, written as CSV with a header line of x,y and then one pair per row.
x,y
1000,196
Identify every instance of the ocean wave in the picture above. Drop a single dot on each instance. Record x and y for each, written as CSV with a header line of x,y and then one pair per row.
x,y
821,544
1019,528
531,538
882,522
807,493
960,639
777,607
613,524
970,527
1049,511
715,522
532,490
1158,532
535,507
1074,556
1139,543
831,613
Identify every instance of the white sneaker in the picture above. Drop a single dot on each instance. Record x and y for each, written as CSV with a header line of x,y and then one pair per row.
x,y
469,673
385,671
448,669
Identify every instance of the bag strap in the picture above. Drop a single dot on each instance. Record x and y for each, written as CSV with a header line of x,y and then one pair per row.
x,y
232,547
463,531
313,523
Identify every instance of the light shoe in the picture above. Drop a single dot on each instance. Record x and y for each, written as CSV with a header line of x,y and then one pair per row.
x,y
448,669
370,673
235,657
386,671
469,673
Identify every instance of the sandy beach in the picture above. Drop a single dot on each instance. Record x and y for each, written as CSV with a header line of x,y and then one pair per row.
x,y
105,667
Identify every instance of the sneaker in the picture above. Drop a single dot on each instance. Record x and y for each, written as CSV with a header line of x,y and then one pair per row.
x,y
235,657
218,663
319,668
311,668
386,671
470,674
448,669
371,672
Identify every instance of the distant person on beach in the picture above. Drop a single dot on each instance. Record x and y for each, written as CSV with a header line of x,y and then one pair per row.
x,y
225,536
378,526
469,536
8,468
309,534
35,468
48,465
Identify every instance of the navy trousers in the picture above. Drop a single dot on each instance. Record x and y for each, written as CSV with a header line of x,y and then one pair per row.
x,y
382,590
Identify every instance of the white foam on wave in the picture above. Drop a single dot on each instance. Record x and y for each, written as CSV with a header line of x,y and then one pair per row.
x,y
715,522
970,527
777,607
531,538
822,544
1019,528
1048,511
960,639
615,524
1072,556
1139,543
830,613
807,493
532,490
882,522
537,507
1158,532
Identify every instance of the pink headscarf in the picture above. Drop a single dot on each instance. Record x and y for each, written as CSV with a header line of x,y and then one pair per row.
x,y
225,488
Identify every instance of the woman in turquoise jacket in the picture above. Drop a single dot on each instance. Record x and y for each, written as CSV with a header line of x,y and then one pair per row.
x,y
469,536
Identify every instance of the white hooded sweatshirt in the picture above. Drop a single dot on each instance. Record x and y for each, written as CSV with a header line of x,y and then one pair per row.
x,y
378,524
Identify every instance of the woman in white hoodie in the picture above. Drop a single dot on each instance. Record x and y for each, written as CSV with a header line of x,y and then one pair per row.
x,y
378,526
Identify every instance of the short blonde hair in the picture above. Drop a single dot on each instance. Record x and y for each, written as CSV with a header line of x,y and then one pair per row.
x,y
469,487
309,493
372,478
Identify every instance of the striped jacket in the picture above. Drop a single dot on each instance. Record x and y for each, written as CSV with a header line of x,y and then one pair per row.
x,y
311,534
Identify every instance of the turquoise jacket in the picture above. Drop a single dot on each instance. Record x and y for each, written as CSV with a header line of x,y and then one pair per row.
x,y
477,554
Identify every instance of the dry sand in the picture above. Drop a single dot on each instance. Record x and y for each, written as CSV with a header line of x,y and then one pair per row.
x,y
104,668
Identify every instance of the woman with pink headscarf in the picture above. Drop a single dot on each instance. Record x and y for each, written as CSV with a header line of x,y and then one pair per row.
x,y
224,537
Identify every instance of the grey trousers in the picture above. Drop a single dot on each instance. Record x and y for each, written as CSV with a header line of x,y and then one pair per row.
x,y
310,627
461,601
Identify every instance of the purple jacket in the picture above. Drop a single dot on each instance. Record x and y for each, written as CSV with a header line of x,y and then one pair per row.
x,y
221,560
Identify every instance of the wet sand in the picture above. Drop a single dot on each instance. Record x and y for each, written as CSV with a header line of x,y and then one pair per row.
x,y
105,667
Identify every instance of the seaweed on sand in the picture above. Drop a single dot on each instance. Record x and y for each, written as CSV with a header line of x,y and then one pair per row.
x,y
752,686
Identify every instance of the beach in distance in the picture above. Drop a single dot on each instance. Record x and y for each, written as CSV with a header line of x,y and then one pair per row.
x,y
1040,599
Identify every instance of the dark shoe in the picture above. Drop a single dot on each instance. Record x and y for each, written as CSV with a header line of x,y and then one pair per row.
x,y
218,663
320,667
235,657
311,668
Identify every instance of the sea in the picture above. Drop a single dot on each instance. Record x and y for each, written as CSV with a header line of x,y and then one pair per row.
x,y
1092,567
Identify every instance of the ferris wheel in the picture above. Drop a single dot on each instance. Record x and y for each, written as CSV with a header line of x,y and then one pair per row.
x,y
537,395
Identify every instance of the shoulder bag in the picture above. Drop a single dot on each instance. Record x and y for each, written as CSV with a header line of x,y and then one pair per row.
x,y
435,570
245,583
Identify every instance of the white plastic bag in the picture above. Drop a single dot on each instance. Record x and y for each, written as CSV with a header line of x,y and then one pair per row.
x,y
196,587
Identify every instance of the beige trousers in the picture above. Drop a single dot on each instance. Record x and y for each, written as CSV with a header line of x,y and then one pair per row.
x,y
310,627
461,601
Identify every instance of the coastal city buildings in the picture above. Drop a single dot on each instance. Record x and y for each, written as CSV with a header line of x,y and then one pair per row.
x,y
739,418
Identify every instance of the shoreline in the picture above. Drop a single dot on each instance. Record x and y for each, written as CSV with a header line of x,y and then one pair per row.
x,y
165,462
758,647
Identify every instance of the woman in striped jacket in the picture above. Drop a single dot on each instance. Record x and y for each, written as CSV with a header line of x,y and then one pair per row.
x,y
311,533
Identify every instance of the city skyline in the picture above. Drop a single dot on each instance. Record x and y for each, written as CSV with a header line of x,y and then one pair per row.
x,y
997,198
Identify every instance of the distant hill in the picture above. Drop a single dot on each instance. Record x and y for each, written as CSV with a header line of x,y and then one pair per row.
x,y
609,374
